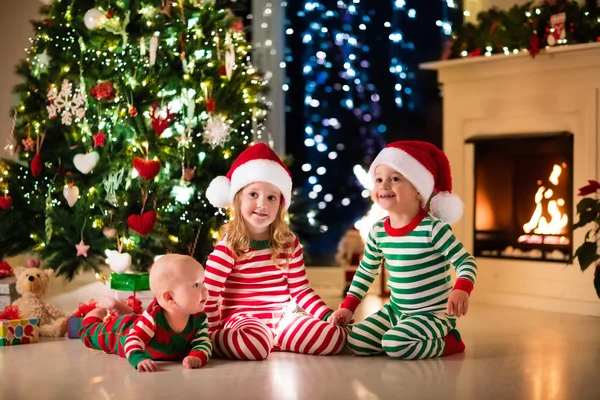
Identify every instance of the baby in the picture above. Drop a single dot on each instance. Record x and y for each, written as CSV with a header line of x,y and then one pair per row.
x,y
171,328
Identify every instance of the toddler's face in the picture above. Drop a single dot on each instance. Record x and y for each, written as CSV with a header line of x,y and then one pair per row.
x,y
189,291
260,202
392,191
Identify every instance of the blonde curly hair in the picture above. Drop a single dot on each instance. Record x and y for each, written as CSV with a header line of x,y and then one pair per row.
x,y
281,238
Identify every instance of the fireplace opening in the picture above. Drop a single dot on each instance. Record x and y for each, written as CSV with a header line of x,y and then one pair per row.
x,y
523,196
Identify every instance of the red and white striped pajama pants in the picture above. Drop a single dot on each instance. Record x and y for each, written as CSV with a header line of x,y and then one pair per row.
x,y
244,337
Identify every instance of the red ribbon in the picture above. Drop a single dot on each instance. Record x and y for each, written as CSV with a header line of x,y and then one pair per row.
x,y
135,304
84,309
5,270
11,312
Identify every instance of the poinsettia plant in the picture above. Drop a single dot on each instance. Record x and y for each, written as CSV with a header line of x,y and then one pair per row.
x,y
588,210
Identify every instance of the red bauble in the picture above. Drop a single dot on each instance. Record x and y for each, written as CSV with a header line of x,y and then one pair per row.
x,y
133,111
210,105
147,169
142,224
36,165
223,71
5,202
109,14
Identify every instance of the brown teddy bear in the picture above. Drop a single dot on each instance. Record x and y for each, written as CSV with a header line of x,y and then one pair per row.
x,y
32,284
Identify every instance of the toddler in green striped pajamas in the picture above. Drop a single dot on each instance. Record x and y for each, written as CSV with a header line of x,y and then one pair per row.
x,y
416,248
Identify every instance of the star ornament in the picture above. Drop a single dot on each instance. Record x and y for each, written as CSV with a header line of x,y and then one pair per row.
x,y
82,249
99,139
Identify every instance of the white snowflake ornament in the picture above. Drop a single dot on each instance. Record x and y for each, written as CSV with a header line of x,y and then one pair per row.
x,y
66,103
216,130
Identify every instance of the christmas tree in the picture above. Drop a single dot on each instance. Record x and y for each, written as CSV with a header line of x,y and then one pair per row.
x,y
127,110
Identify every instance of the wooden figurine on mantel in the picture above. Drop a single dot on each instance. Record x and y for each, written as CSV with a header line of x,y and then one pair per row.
x,y
350,251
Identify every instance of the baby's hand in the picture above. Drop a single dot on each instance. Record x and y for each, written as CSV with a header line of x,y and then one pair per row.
x,y
458,303
191,362
341,317
147,366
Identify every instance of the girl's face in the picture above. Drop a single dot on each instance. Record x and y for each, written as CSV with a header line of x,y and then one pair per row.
x,y
393,192
259,204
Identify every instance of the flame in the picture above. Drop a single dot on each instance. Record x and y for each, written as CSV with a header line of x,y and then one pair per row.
x,y
558,220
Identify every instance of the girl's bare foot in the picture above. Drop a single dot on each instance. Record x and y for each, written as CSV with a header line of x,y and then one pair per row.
x,y
115,306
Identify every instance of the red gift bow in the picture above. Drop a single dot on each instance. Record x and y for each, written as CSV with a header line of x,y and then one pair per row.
x,y
84,309
5,270
11,312
135,304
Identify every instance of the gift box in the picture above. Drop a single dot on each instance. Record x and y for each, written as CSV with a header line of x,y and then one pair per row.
x,y
16,330
8,291
134,282
73,326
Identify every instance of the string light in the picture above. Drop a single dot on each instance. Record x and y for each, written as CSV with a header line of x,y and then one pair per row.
x,y
325,41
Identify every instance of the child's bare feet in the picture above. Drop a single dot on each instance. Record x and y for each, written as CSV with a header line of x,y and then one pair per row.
x,y
115,306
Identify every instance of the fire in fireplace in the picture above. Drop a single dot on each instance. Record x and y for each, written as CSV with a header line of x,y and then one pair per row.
x,y
523,196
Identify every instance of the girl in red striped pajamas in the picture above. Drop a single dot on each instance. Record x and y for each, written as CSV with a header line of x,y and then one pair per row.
x,y
257,269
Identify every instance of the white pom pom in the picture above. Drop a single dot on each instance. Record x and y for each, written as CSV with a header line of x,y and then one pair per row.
x,y
447,206
218,191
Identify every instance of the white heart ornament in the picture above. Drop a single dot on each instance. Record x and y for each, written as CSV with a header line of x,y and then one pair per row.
x,y
86,162
118,262
71,193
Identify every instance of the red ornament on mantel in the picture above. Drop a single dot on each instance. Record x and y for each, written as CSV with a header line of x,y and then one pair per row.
x,y
36,165
142,224
5,202
147,169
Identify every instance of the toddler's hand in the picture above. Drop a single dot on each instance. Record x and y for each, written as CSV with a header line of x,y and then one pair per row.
x,y
458,303
341,317
147,366
191,362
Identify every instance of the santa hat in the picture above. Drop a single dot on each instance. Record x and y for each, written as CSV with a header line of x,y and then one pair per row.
x,y
428,169
257,163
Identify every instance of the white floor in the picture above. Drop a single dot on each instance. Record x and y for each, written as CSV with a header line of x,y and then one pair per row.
x,y
511,354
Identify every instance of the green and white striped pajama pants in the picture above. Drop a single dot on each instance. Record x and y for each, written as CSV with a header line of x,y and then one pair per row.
x,y
412,336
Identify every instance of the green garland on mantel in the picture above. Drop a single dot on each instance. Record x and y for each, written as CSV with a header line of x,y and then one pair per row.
x,y
526,27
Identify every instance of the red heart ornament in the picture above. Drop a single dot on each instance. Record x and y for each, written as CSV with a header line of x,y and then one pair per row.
x,y
5,202
36,165
147,169
142,224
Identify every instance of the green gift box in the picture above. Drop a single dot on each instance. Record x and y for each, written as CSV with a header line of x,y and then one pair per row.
x,y
134,282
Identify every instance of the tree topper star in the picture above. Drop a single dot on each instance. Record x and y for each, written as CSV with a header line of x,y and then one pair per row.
x,y
82,249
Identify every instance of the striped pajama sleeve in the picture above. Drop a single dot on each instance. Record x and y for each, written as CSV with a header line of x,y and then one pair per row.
x,y
202,345
139,335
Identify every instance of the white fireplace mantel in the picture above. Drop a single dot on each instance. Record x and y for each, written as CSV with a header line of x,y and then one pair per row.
x,y
558,90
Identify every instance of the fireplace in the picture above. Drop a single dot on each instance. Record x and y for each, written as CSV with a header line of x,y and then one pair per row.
x,y
523,191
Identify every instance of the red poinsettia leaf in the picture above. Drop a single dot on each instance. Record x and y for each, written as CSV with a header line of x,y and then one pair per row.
x,y
592,187
142,224
147,169
5,202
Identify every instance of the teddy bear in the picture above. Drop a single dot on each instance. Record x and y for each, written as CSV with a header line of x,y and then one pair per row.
x,y
349,254
32,284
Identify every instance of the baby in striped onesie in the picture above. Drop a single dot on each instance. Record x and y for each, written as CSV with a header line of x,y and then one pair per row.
x,y
416,248
172,328
257,269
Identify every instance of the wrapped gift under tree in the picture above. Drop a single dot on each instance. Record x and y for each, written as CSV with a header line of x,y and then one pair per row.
x,y
74,322
8,285
17,330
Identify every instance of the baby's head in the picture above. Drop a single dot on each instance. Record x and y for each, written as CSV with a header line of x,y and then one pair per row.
x,y
177,282
426,169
